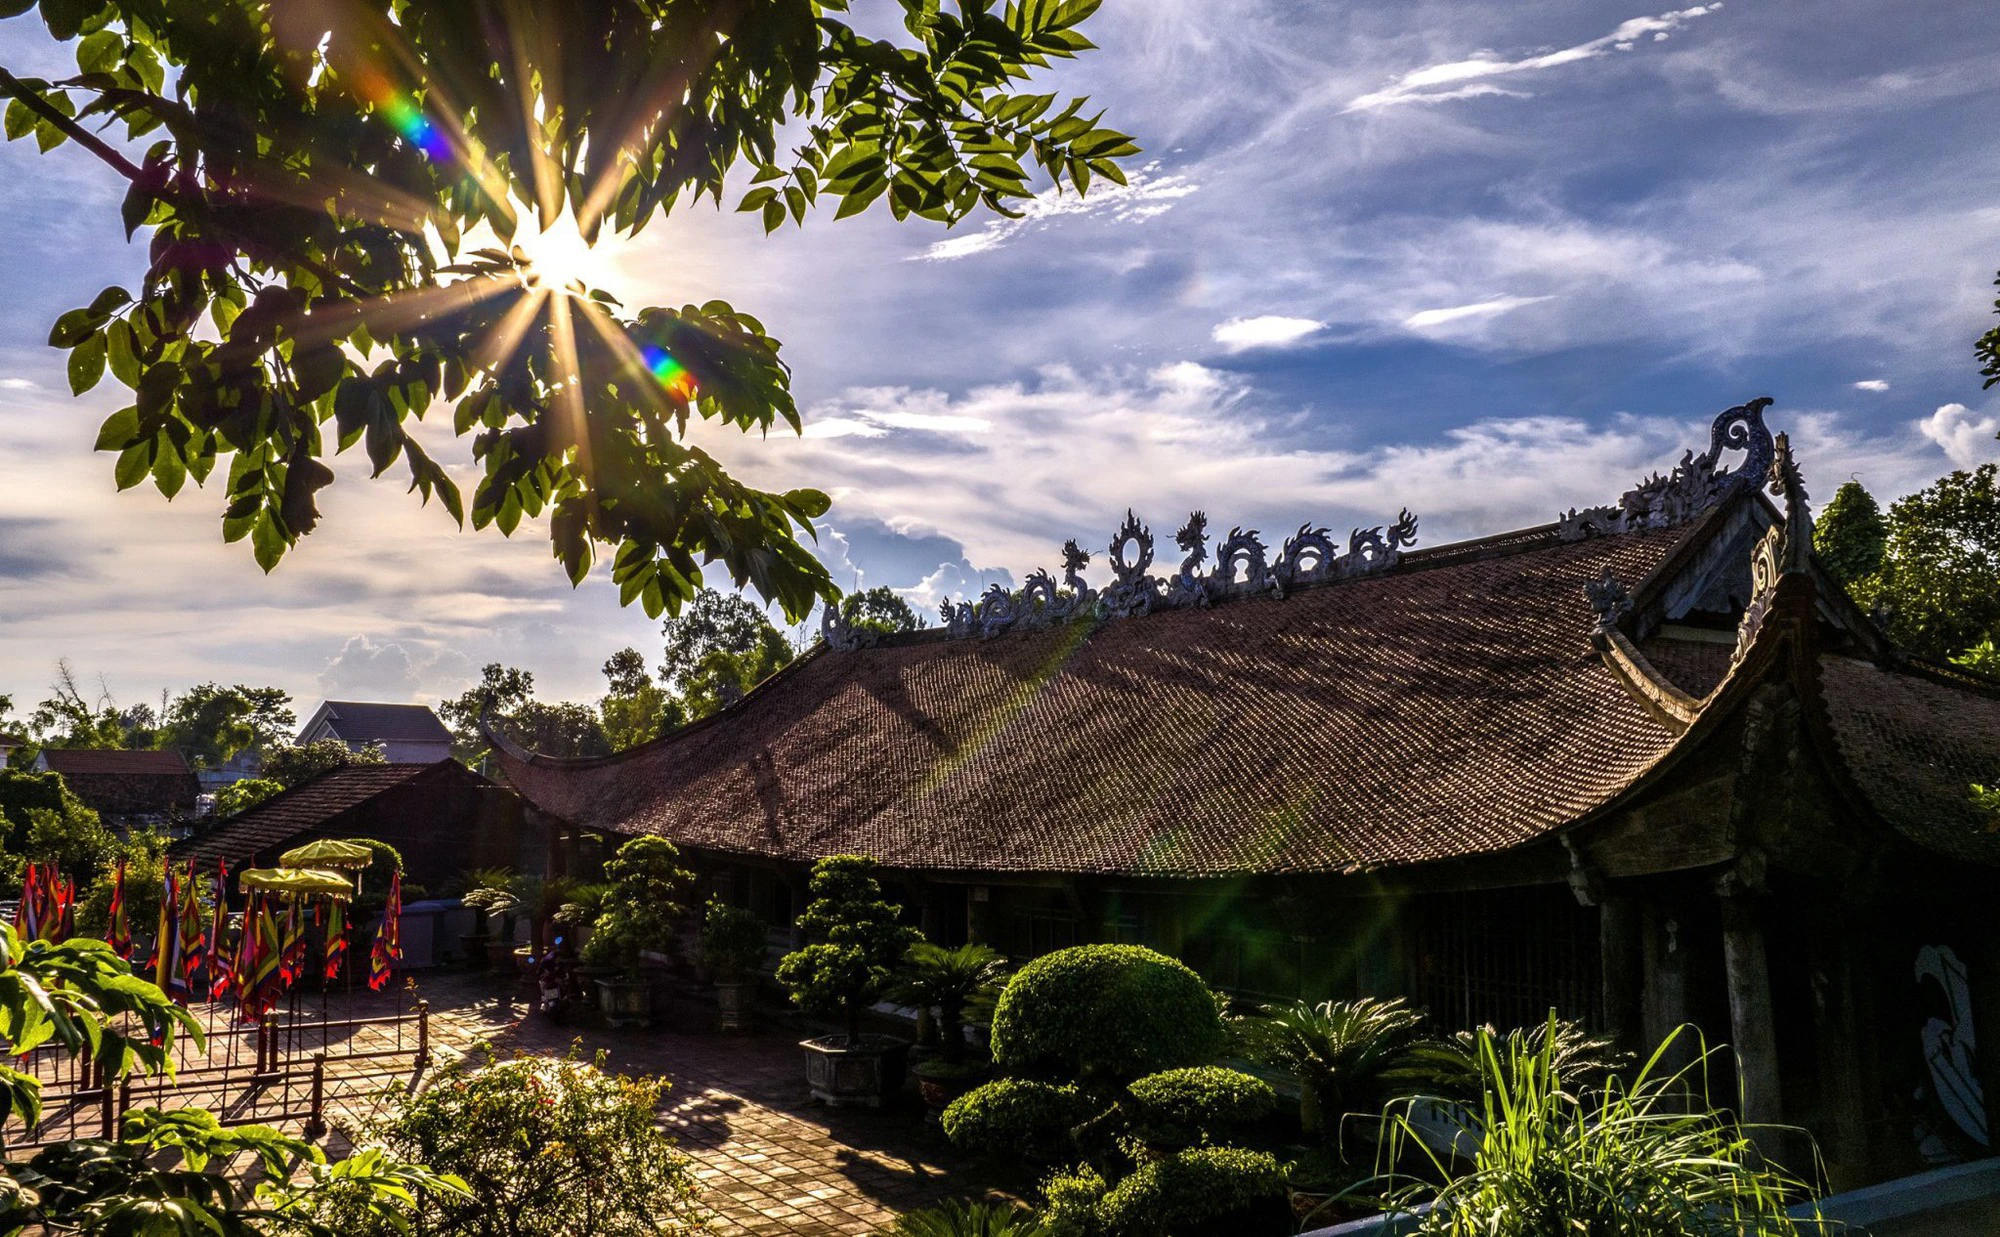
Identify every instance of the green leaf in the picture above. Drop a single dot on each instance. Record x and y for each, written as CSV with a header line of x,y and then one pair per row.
x,y
119,350
119,429
86,364
20,120
267,542
134,462
100,52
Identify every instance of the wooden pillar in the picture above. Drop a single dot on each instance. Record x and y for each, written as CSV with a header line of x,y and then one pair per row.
x,y
1664,1004
1750,1015
1982,966
1620,949
979,915
1842,1083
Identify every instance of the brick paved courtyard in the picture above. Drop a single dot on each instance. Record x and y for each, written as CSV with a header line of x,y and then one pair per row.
x,y
772,1160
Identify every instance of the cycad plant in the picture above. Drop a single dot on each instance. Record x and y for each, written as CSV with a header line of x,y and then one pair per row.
x,y
1452,1068
1533,1157
950,981
1341,1052
957,1219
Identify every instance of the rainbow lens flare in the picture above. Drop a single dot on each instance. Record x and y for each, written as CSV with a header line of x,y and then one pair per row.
x,y
400,109
670,373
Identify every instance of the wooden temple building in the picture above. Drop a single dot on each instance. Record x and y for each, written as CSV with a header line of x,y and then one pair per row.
x,y
1646,764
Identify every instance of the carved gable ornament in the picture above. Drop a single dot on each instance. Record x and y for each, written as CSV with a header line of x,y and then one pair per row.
x,y
1696,483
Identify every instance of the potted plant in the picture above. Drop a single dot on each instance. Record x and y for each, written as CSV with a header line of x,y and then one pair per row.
x,y
475,943
733,945
948,982
640,914
573,920
500,893
855,943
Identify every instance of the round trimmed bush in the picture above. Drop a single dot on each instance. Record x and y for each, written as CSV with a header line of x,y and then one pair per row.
x,y
1180,1106
1104,1015
1206,1192
1016,1116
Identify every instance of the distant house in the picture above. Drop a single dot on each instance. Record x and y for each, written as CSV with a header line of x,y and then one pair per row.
x,y
9,744
129,789
443,818
407,733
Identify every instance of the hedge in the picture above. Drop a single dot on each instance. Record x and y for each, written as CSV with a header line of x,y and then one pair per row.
x,y
1182,1105
1209,1190
1016,1116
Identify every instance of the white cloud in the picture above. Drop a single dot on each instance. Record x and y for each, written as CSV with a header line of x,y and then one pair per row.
x,y
1147,195
1872,384
1965,436
1267,331
16,384
369,671
1461,79
1478,309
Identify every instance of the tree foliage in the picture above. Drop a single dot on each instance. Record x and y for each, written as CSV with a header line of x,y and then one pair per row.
x,y
506,695
210,724
312,171
879,609
635,709
1850,535
245,793
41,820
295,764
642,908
1939,579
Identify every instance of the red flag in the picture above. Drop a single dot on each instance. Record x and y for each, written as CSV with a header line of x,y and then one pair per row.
x,y
217,960
336,938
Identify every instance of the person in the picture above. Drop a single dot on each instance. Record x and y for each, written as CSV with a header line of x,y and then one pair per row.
x,y
557,983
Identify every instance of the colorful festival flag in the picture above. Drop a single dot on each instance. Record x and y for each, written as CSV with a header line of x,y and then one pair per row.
x,y
62,900
388,938
217,962
292,955
193,935
167,948
336,938
28,914
119,934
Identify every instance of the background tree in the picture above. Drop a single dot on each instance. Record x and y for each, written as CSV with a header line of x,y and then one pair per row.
x,y
245,793
507,693
210,724
1939,580
70,718
879,609
40,819
635,709
295,764
721,647
303,157
1850,535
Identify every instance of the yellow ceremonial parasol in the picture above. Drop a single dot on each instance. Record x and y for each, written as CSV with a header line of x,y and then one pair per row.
x,y
327,853
295,881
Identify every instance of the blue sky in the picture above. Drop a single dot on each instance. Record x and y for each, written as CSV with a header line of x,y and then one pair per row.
x,y
1484,261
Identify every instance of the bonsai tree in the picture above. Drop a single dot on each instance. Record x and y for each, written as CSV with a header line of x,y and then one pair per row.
x,y
855,943
640,910
948,981
732,943
482,885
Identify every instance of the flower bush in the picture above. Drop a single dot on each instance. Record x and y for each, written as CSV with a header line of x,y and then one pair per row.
x,y
1016,1116
547,1147
1104,1015
1198,1104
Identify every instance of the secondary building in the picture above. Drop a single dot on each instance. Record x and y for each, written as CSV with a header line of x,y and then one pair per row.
x,y
128,789
406,733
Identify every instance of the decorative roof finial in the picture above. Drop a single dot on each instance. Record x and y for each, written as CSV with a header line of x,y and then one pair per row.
x,y
1610,599
1695,485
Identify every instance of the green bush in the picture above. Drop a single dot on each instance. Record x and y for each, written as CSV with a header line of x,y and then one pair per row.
x,y
1015,1116
1069,1202
1200,1103
1209,1190
1345,1054
1104,1015
547,1146
856,942
733,943
640,911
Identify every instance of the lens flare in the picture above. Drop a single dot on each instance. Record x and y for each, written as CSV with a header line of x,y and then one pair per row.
x,y
405,117
671,373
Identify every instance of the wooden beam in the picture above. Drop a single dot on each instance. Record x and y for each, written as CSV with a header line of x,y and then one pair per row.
x,y
1751,1028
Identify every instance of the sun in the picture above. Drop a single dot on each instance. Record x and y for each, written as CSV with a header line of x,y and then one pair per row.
x,y
562,260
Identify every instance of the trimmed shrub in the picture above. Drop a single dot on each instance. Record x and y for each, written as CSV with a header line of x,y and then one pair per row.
x,y
1015,1116
1209,1190
1069,1202
1104,1015
1182,1106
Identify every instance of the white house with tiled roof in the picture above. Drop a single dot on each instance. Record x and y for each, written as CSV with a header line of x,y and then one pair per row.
x,y
406,733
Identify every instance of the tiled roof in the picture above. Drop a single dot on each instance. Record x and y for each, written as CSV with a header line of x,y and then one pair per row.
x,y
1450,707
360,721
1915,745
97,760
278,820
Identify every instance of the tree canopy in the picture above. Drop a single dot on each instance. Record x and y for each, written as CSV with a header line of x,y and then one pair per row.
x,y
1937,581
879,609
315,180
507,693
1851,534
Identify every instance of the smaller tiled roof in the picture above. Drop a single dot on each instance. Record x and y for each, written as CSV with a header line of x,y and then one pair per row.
x,y
279,819
95,761
360,721
12,740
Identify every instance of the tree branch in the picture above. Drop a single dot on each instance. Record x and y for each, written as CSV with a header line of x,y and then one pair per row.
x,y
13,87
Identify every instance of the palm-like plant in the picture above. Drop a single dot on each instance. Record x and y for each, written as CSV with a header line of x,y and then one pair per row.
x,y
1453,1068
956,1219
1341,1052
950,981
1544,1158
